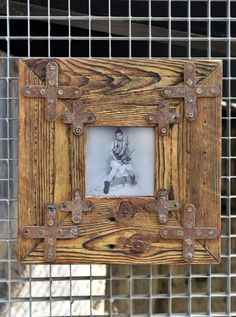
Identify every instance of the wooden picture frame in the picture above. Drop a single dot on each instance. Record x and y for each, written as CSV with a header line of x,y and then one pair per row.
x,y
52,161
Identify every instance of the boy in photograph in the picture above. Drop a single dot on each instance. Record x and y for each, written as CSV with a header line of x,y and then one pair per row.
x,y
121,161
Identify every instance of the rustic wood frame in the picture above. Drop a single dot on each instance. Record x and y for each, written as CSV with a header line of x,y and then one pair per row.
x,y
119,93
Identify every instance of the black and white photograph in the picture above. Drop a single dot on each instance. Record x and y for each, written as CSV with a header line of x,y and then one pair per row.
x,y
120,161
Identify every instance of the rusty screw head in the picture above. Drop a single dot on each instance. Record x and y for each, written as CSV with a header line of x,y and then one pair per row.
x,y
189,209
74,231
190,82
190,100
191,114
213,90
42,91
52,67
27,91
199,90
41,232
77,131
76,218
50,241
212,233
188,241
188,256
50,222
163,130
189,225
60,92
51,82
162,218
50,100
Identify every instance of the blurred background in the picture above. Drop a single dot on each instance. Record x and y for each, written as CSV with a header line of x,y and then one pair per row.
x,y
115,28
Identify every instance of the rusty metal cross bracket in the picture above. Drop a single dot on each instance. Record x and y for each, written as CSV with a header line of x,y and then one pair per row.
x,y
51,91
162,205
163,117
50,232
77,206
78,117
190,91
189,233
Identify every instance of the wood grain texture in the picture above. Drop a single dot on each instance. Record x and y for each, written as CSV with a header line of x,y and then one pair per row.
x,y
119,93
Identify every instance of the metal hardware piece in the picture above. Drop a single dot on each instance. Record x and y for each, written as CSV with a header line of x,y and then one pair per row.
x,y
78,117
189,232
125,211
162,205
77,206
50,232
140,243
190,91
163,117
51,91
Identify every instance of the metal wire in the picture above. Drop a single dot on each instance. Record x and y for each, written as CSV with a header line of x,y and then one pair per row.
x,y
82,290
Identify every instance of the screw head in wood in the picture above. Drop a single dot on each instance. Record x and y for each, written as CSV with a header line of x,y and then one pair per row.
x,y
191,114
190,82
50,222
188,256
189,225
50,241
51,100
77,130
74,231
212,233
27,91
188,241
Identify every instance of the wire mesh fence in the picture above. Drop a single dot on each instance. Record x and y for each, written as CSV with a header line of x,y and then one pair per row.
x,y
115,28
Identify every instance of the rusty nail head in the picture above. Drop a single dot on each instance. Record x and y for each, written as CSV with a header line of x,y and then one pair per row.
x,y
190,82
42,91
50,100
50,222
180,233
52,67
191,114
51,82
212,233
188,241
188,256
50,240
189,225
189,209
74,231
77,130
60,91
163,130
76,193
41,232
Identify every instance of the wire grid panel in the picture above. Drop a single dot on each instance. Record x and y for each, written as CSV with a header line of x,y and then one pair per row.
x,y
112,28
